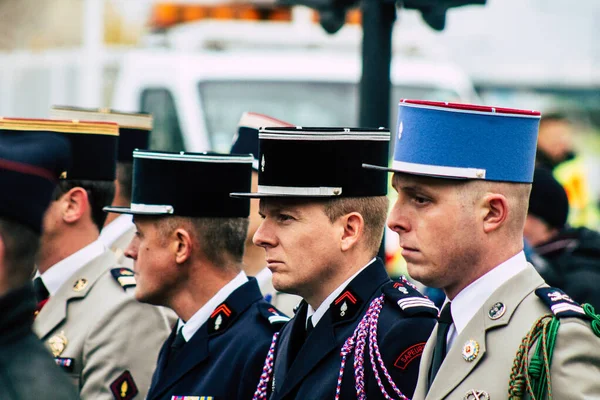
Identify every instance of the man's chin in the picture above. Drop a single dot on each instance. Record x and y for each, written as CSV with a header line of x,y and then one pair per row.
x,y
420,274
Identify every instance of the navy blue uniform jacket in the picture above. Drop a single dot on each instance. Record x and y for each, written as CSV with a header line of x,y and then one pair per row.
x,y
313,373
224,358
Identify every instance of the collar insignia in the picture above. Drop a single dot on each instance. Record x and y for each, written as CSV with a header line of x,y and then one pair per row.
x,y
220,318
345,306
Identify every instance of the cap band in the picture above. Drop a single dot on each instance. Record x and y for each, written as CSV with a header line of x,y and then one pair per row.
x,y
300,191
152,208
452,172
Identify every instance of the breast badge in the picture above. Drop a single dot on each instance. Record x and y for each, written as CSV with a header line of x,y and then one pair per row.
x,y
470,350
58,344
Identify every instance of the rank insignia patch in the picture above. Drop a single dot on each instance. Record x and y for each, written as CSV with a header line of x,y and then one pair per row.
x,y
220,318
409,355
124,276
345,306
408,298
65,363
273,315
560,303
124,387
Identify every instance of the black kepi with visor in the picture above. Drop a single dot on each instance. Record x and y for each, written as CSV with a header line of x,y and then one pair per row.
x,y
320,162
184,184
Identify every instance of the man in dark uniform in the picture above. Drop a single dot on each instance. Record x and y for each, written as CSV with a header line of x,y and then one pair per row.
x,y
88,317
30,164
187,256
357,333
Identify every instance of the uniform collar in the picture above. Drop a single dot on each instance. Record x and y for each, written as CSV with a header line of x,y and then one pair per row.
x,y
203,314
62,271
319,312
466,304
113,231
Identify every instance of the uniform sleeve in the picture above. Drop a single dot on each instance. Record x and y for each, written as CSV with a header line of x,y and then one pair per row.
x,y
402,348
121,351
575,369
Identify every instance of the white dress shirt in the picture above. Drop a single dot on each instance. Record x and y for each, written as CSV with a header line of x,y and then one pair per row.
x,y
466,304
63,270
322,309
190,327
113,231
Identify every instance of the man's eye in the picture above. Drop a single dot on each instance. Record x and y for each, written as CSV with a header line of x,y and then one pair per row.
x,y
421,200
285,217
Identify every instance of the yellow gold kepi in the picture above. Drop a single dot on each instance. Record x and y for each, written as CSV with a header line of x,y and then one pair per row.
x,y
58,344
470,350
80,284
477,395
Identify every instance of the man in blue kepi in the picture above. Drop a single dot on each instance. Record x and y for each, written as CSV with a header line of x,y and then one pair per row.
x,y
357,333
463,175
187,254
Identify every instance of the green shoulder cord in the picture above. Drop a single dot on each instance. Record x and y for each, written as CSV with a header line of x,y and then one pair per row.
x,y
533,377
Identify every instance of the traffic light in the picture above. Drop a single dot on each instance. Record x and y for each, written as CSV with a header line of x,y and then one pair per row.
x,y
434,11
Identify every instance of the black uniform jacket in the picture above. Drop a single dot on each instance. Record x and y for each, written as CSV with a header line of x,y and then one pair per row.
x,y
27,369
224,358
313,372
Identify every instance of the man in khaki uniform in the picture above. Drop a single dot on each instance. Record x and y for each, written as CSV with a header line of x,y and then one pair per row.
x,y
460,214
246,142
134,133
98,333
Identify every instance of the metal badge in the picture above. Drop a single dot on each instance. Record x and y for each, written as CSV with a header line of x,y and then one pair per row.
x,y
470,350
497,311
80,284
58,344
262,164
477,395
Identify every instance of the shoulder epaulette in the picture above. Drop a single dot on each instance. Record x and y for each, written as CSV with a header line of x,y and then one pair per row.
x,y
273,315
560,303
408,298
124,276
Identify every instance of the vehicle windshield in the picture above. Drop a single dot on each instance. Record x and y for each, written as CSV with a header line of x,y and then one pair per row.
x,y
300,103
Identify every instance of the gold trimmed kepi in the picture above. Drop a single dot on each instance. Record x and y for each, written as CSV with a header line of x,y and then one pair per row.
x,y
93,144
134,128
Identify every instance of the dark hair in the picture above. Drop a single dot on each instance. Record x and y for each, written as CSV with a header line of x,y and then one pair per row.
x,y
125,179
21,245
554,116
222,240
100,194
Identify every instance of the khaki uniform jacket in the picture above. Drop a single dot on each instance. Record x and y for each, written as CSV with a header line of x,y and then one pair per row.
x,y
108,339
575,370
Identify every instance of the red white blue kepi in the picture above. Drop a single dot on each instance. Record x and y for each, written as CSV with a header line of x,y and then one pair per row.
x,y
461,141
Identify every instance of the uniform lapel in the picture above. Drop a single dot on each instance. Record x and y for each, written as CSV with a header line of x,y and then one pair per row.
x,y
424,367
333,328
55,310
196,350
455,368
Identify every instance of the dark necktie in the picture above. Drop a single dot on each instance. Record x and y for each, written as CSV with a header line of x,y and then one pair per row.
x,y
309,326
40,290
439,353
176,346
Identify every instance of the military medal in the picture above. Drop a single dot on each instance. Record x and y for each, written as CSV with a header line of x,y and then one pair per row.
x,y
470,350
497,311
58,343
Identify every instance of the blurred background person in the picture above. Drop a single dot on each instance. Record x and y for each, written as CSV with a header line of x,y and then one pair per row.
x,y
246,142
30,164
571,255
556,153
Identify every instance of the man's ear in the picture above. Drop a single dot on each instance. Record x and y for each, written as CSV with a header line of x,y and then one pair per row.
x,y
495,211
182,245
353,226
74,204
